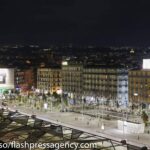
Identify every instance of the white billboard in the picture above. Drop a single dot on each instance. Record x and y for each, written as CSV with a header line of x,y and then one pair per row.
x,y
64,63
146,63
6,78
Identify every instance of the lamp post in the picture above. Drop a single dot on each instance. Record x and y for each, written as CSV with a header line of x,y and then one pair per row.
x,y
82,107
50,98
102,126
51,105
124,124
136,94
61,100
98,108
125,116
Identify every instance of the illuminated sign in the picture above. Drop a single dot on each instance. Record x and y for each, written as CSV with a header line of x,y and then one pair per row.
x,y
45,106
146,63
64,63
7,78
2,78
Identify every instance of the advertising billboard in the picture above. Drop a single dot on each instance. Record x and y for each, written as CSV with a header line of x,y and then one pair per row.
x,y
2,78
6,78
146,63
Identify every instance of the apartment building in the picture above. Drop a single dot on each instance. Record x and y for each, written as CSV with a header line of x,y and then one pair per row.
x,y
139,86
25,79
109,84
49,79
72,81
94,83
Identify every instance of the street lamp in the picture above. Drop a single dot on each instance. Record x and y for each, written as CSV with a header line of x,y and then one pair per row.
x,y
45,106
102,126
82,107
51,104
124,124
136,94
60,93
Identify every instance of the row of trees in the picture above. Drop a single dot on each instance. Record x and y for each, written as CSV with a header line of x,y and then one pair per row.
x,y
145,118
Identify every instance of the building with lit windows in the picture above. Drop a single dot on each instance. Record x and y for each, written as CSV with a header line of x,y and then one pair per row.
x,y
72,81
25,79
91,84
139,86
49,79
109,84
16,79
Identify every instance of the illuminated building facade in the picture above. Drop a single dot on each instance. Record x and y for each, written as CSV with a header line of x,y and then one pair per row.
x,y
111,84
139,86
24,79
72,80
92,83
49,79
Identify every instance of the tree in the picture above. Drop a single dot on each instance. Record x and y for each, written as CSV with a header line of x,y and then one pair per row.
x,y
6,92
65,101
56,95
144,116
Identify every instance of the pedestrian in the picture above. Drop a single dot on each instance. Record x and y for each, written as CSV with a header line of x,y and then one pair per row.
x,y
138,137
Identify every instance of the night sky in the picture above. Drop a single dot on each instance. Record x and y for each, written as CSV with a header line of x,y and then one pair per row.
x,y
100,22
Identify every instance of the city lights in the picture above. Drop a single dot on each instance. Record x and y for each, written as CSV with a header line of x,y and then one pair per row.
x,y
75,72
146,63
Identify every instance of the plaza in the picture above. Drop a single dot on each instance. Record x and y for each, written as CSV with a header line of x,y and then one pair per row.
x,y
91,121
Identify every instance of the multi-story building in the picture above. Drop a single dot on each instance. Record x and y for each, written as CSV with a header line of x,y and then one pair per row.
x,y
139,86
16,79
49,79
111,84
91,84
72,80
24,78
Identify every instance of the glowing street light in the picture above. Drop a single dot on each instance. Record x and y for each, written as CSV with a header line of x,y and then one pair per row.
x,y
135,94
59,92
102,126
45,106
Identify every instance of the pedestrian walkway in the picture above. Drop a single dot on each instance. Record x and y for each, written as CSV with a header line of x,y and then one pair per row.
x,y
88,124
